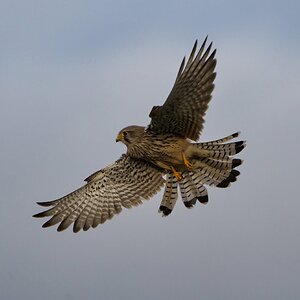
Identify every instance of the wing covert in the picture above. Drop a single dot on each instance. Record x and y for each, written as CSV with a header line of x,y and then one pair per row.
x,y
183,111
124,183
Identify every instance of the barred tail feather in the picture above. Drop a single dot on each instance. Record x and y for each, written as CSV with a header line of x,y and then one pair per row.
x,y
216,151
214,160
197,180
223,140
170,195
189,191
213,164
220,164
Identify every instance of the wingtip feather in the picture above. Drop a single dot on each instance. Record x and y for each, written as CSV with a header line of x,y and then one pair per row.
x,y
46,203
39,215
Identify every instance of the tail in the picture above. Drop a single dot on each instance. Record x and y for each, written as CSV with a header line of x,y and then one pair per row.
x,y
212,165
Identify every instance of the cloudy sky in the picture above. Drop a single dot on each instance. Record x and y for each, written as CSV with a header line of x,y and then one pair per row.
x,y
72,73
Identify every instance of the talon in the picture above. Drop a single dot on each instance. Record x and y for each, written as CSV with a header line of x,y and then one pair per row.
x,y
177,174
186,162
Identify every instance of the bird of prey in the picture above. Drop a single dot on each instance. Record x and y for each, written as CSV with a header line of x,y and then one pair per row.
x,y
165,153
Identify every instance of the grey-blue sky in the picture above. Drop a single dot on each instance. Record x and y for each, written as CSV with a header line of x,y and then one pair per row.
x,y
72,73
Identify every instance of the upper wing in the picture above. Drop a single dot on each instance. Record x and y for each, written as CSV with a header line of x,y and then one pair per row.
x,y
124,183
183,111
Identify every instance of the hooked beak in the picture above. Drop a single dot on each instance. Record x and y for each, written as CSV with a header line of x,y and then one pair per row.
x,y
120,137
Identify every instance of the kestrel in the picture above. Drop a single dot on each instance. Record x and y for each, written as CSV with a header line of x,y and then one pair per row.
x,y
165,153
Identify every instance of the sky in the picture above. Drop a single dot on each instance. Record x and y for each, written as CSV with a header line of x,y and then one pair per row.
x,y
73,73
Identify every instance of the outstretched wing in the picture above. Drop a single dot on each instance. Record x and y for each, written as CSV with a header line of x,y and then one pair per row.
x,y
185,107
124,183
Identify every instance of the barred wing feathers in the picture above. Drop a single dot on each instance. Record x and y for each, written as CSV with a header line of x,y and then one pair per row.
x,y
124,183
183,111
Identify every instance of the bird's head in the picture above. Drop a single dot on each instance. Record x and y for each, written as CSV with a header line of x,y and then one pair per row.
x,y
131,134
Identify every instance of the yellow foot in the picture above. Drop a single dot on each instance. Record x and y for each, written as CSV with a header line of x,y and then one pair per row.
x,y
187,163
177,174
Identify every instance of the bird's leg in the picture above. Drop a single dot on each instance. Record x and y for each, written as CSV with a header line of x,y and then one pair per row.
x,y
186,162
177,174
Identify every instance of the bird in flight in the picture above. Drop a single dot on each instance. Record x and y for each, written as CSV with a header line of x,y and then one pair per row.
x,y
165,153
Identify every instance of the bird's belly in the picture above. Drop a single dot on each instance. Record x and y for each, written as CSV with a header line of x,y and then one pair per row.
x,y
165,165
167,158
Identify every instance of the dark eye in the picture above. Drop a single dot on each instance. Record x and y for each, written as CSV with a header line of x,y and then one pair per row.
x,y
124,133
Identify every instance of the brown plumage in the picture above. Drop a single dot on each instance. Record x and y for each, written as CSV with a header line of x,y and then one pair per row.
x,y
163,149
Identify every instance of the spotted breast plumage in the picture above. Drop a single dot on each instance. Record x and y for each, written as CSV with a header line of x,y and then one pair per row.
x,y
165,153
